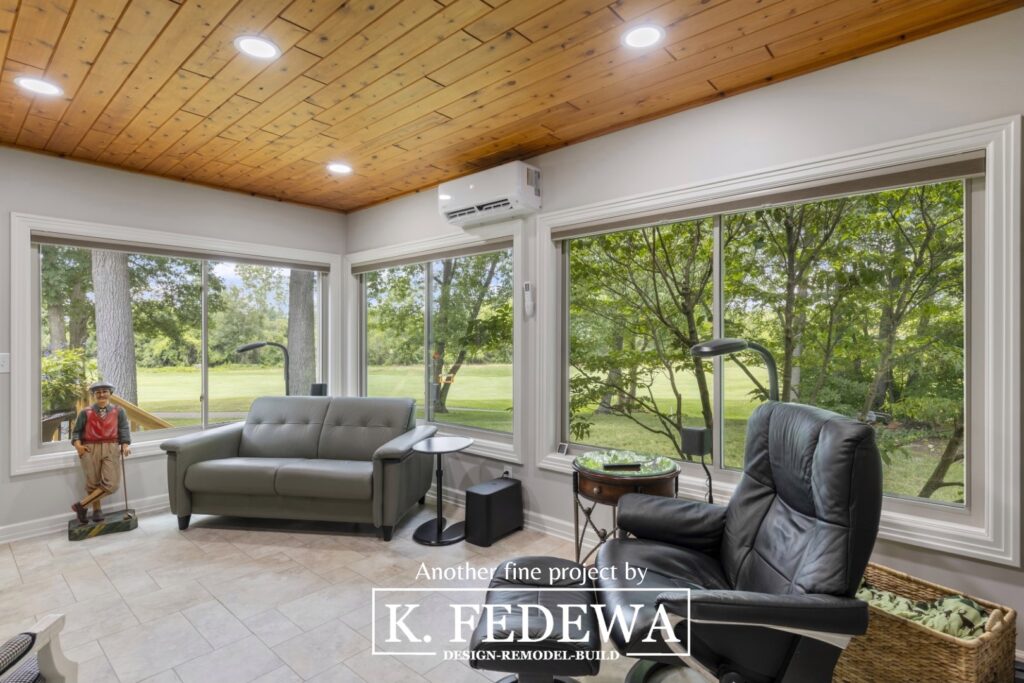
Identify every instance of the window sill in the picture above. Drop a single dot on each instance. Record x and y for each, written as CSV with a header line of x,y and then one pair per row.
x,y
64,460
484,444
952,538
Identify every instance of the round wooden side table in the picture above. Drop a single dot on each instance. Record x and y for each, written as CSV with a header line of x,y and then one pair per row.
x,y
593,481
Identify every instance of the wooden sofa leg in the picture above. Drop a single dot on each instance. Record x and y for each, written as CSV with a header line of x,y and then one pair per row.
x,y
183,521
386,532
423,500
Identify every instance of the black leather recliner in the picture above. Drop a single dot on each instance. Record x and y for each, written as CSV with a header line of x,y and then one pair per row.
x,y
772,574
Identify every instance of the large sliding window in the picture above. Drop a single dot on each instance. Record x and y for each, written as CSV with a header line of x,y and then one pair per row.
x,y
256,302
860,297
165,331
638,299
861,300
441,332
393,333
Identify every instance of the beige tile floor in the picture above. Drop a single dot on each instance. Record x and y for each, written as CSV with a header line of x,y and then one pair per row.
x,y
232,601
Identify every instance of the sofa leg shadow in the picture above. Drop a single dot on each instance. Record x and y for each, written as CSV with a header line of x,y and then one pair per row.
x,y
423,500
386,532
183,522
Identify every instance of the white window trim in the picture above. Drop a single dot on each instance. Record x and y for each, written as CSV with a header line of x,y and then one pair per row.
x,y
23,316
995,536
485,444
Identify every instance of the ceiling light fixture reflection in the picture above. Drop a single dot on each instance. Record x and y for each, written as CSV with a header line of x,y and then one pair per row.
x,y
643,36
38,86
257,47
338,167
444,197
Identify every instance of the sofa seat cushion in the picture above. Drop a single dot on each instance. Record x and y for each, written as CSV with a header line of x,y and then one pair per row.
x,y
252,476
344,479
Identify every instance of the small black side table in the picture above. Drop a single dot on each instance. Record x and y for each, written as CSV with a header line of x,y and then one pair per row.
x,y
434,531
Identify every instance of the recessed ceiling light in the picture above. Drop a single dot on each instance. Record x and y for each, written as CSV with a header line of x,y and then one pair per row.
x,y
38,86
257,47
643,36
338,167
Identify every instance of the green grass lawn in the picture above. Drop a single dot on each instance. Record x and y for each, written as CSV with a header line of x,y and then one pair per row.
x,y
173,393
482,397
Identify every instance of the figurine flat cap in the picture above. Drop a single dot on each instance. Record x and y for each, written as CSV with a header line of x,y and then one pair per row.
x,y
101,385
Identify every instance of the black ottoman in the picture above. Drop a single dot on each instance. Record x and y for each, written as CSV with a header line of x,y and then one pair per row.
x,y
520,582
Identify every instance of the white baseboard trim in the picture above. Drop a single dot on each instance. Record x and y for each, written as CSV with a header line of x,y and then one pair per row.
x,y
54,523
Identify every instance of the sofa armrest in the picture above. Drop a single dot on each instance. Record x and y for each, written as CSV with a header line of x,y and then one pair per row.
x,y
220,442
815,613
401,445
185,451
691,524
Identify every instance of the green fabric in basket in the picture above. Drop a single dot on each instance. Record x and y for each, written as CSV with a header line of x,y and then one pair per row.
x,y
954,615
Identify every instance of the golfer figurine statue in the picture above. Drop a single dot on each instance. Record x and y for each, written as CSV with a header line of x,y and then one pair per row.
x,y
101,436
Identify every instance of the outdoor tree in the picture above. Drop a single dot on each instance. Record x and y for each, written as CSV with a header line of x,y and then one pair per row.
x,y
639,300
115,336
916,257
167,309
864,295
395,315
776,252
470,310
66,278
301,330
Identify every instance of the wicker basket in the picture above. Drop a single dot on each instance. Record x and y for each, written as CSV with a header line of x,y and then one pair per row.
x,y
897,650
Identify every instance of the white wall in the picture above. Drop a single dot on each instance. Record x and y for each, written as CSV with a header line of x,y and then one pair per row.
x,y
964,76
44,185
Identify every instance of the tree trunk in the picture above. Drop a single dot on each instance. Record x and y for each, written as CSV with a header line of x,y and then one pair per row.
x,y
887,336
627,402
706,408
78,318
798,350
448,277
58,336
442,396
614,380
115,338
950,455
301,332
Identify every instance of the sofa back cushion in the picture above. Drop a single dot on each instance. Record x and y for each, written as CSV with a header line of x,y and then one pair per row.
x,y
355,427
283,427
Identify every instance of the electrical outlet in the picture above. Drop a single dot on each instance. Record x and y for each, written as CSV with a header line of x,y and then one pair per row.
x,y
5,362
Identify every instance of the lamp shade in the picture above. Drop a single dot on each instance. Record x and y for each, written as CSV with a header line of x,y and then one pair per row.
x,y
718,347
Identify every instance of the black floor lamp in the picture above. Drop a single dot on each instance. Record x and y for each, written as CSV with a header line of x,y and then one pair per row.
x,y
698,441
252,346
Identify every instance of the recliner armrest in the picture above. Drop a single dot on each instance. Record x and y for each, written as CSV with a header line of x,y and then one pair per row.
x,y
691,524
401,445
812,612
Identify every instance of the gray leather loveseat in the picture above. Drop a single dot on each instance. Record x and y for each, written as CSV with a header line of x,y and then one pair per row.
x,y
335,459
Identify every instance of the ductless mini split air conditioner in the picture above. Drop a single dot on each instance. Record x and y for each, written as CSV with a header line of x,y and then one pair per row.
x,y
503,192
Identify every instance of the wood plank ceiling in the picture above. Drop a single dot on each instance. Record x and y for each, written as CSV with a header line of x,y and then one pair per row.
x,y
408,92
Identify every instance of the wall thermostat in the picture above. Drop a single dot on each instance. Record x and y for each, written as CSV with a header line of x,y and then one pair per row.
x,y
529,305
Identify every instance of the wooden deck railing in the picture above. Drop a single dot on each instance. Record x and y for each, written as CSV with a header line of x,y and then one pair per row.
x,y
137,418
